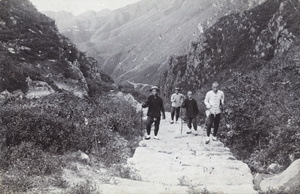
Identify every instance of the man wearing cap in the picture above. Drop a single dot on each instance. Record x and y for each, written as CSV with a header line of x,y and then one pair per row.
x,y
176,100
155,108
214,101
191,111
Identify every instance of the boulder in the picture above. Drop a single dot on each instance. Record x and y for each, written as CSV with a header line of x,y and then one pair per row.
x,y
258,178
286,181
274,168
83,156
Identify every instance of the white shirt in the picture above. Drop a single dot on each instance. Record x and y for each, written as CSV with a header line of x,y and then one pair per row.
x,y
177,99
213,101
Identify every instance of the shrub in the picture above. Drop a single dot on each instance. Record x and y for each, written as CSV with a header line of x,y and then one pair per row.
x,y
27,160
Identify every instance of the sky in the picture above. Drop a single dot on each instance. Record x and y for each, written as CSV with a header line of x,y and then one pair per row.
x,y
79,6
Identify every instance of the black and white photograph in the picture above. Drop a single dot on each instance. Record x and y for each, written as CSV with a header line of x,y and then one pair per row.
x,y
149,96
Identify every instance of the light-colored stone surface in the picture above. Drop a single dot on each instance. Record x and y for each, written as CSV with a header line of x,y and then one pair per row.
x,y
274,168
181,163
285,181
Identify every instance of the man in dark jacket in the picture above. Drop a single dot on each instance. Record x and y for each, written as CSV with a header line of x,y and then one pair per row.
x,y
191,111
155,108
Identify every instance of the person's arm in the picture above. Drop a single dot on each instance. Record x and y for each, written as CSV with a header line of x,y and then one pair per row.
x,y
222,98
182,98
222,101
162,110
146,103
206,101
183,104
196,107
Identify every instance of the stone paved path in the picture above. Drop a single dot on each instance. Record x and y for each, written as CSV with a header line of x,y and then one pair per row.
x,y
184,164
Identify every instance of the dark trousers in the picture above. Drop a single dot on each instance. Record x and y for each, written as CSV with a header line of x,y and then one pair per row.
x,y
175,111
213,120
149,122
191,121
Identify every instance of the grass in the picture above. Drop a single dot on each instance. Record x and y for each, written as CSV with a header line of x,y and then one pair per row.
x,y
193,189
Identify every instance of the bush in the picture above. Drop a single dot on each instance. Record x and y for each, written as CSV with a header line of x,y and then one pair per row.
x,y
27,160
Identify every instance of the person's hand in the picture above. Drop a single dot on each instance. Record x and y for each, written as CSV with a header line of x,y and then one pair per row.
x,y
140,107
207,113
163,117
208,106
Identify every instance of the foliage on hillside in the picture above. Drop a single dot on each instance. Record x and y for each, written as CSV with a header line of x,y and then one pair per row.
x,y
255,57
263,108
36,134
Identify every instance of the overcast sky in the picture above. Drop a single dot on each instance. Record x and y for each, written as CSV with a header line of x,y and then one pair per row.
x,y
79,6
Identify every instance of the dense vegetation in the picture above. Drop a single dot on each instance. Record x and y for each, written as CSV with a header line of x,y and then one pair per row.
x,y
35,135
263,109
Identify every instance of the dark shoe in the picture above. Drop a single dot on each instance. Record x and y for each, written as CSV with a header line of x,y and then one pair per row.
x,y
189,132
147,137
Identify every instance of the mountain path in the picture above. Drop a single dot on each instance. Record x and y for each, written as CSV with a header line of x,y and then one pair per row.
x,y
183,163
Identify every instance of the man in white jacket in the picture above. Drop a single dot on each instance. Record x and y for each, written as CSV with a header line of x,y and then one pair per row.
x,y
176,101
214,101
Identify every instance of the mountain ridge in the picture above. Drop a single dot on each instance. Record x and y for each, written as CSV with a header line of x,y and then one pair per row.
x,y
136,44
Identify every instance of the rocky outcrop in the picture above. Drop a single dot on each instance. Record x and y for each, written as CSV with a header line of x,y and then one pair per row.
x,y
30,46
38,89
128,98
286,181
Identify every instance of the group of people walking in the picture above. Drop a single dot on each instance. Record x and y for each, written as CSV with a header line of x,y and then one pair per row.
x,y
214,101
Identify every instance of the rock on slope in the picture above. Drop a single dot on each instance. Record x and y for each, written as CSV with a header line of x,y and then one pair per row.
x,y
133,43
32,47
285,181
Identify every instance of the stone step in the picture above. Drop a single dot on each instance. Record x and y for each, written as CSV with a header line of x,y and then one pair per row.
x,y
183,163
125,186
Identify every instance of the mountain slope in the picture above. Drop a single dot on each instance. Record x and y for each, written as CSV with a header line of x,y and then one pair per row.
x,y
32,47
235,42
133,43
254,55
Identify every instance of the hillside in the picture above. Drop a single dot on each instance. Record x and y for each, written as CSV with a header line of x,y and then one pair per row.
x,y
133,43
58,110
32,47
255,56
